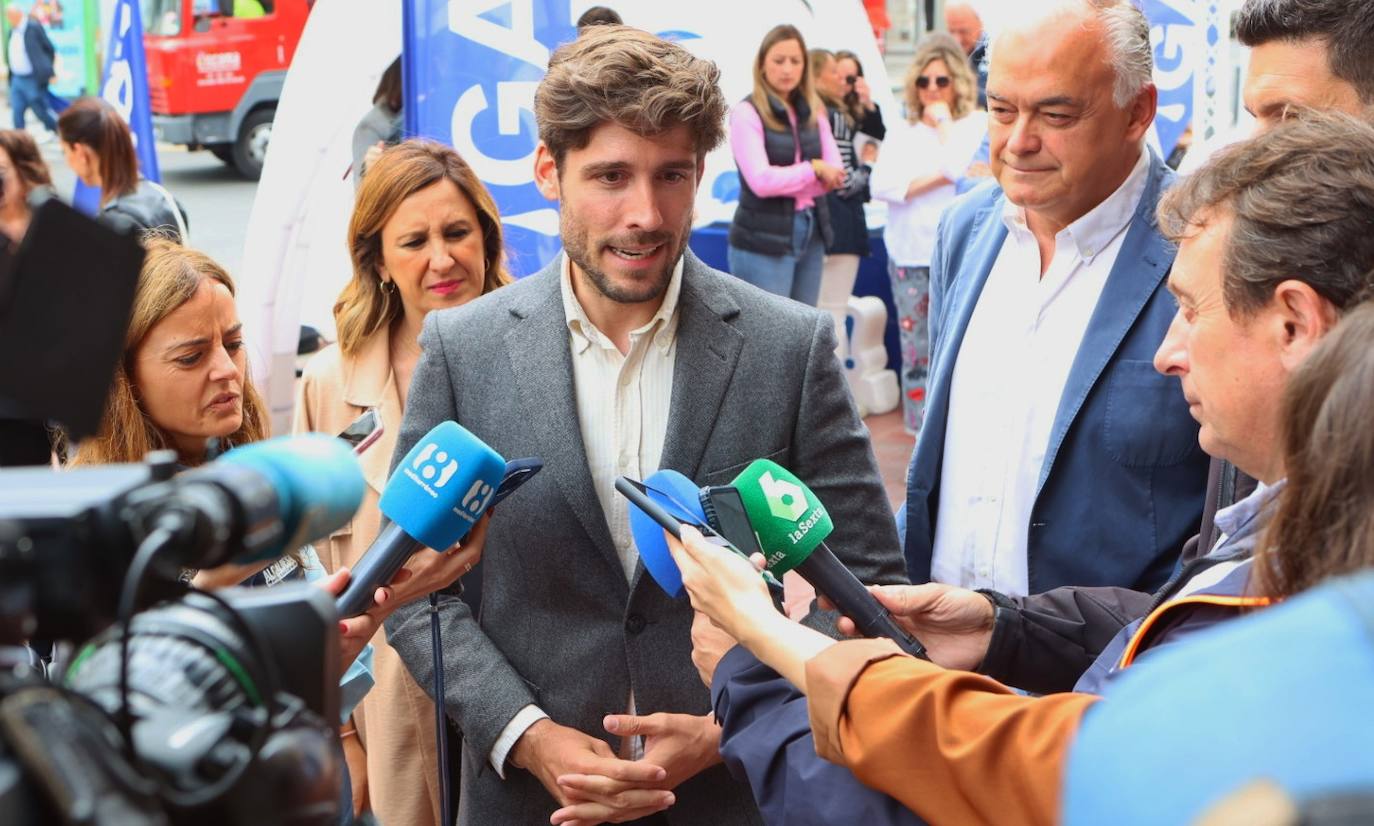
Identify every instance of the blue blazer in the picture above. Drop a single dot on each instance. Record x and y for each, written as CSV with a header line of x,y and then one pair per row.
x,y
1124,480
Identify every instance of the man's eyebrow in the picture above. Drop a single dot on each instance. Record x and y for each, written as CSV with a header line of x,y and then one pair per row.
x,y
591,170
1057,100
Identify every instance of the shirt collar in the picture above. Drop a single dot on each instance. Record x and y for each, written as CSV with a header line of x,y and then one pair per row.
x,y
662,327
1232,520
1093,232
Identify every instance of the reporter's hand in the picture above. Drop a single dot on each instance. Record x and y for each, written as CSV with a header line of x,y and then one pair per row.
x,y
709,645
355,632
723,586
429,570
550,751
682,744
954,624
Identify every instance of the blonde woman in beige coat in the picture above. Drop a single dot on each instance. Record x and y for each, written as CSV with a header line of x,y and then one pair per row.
x,y
425,235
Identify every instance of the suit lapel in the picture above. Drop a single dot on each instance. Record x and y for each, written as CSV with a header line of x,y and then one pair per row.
x,y
708,348
1141,265
541,362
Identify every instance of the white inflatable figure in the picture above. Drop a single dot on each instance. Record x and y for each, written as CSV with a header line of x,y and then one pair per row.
x,y
873,386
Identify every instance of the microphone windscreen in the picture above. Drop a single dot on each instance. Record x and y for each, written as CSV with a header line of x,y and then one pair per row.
x,y
787,517
443,485
317,479
680,497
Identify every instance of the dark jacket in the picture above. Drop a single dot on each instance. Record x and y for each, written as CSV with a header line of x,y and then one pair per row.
x,y
1046,642
764,225
146,208
40,50
1123,474
766,741
848,225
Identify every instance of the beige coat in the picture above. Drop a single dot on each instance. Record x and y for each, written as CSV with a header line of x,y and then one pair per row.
x,y
396,718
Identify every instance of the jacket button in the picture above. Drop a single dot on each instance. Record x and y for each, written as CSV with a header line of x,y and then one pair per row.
x,y
635,623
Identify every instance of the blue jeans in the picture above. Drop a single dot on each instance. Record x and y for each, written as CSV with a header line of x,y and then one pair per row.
x,y
796,275
25,93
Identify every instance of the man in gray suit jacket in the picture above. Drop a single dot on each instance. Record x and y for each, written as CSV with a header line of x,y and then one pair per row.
x,y
625,355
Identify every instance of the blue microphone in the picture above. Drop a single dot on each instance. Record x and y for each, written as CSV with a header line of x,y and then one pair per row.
x,y
256,502
318,483
437,493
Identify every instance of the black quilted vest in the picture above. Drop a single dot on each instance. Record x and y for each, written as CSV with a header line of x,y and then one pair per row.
x,y
764,225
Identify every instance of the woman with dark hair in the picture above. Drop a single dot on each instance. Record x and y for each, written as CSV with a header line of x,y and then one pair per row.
x,y
99,148
787,161
867,115
22,170
425,235
382,124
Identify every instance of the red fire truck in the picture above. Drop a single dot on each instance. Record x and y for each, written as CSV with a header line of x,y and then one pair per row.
x,y
215,72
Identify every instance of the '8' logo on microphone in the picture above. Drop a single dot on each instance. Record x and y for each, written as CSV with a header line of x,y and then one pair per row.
x,y
475,500
433,462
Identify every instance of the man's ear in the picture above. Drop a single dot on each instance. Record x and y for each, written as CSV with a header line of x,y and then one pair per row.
x,y
546,172
701,171
1143,110
1306,317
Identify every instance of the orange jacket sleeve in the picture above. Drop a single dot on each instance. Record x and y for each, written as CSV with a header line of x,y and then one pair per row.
x,y
953,747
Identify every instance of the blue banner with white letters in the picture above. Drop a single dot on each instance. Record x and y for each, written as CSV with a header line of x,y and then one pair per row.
x,y
471,68
124,85
1179,51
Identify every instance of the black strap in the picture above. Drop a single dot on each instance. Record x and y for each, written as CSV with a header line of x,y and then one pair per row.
x,y
440,730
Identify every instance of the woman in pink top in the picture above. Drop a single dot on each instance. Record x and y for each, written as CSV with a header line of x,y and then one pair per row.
x,y
787,160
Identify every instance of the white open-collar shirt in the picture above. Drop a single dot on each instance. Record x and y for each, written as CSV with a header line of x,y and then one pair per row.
x,y
1008,377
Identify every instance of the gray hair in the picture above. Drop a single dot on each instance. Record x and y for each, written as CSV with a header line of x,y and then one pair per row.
x,y
1125,29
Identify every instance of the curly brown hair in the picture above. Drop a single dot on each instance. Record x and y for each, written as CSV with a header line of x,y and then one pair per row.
x,y
622,75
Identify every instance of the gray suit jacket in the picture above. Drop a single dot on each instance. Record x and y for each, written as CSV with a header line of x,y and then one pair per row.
x,y
755,376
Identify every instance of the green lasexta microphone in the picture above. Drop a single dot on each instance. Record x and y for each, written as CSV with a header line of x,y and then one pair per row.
x,y
791,525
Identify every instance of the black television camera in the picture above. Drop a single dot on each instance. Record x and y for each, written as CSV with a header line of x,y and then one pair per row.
x,y
179,706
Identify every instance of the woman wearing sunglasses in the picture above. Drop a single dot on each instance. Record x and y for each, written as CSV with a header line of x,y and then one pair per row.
x,y
916,174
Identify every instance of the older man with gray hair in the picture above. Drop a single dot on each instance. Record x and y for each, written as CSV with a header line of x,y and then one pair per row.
x,y
1047,431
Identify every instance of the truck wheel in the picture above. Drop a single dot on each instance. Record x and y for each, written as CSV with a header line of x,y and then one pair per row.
x,y
251,147
223,151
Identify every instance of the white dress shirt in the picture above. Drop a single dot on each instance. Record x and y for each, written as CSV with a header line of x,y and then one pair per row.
x,y
1008,378
622,413
19,56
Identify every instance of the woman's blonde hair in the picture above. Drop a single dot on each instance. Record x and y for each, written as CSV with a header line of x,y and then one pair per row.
x,y
940,46
364,307
818,58
805,91
170,277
